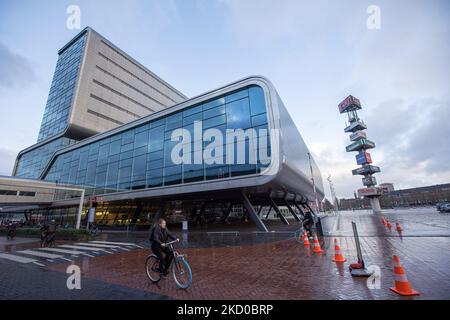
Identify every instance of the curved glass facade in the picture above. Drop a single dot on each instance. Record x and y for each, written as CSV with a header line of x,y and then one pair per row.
x,y
142,157
31,163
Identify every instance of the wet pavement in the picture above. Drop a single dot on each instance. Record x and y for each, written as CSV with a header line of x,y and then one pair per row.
x,y
253,265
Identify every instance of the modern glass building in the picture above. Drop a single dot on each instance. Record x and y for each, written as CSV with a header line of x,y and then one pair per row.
x,y
95,87
197,159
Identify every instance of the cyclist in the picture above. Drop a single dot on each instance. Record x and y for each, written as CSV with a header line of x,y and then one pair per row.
x,y
308,223
48,232
160,235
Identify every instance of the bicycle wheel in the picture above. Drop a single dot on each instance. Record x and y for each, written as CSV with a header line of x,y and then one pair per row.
x,y
182,273
298,235
152,268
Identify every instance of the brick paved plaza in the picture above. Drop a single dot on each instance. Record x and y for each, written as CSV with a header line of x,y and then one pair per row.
x,y
247,264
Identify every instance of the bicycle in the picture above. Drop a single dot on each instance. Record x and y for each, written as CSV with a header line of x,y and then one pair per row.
x,y
10,234
181,271
93,229
47,240
298,234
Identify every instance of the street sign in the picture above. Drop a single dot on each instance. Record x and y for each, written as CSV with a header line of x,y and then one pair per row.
x,y
367,192
358,135
369,181
349,104
363,158
367,169
361,144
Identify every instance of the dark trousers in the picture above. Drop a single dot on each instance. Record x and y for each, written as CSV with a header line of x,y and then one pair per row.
x,y
164,262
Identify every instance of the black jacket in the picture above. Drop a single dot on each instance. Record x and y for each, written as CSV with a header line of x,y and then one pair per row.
x,y
161,236
308,219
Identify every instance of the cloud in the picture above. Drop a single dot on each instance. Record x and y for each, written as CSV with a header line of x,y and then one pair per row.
x,y
7,158
15,69
413,135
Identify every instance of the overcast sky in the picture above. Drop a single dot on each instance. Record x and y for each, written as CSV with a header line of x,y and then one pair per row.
x,y
314,52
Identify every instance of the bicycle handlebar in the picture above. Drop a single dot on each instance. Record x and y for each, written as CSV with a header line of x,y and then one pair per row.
x,y
171,242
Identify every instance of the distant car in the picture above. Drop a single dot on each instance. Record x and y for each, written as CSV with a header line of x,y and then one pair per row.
x,y
443,207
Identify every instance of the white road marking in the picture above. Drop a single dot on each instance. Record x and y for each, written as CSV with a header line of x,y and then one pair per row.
x,y
81,247
62,251
117,243
96,245
50,260
39,264
67,259
40,254
16,258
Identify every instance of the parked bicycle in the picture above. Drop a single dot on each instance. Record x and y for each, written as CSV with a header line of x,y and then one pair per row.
x,y
181,271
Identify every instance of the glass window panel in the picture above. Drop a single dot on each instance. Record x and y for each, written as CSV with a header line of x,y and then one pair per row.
x,y
157,123
238,114
126,155
140,151
174,125
189,120
141,139
138,184
124,175
214,112
192,110
155,164
213,103
216,172
126,147
257,101
139,167
193,172
128,137
236,95
259,120
156,155
113,173
100,179
103,154
156,139
125,163
214,122
172,175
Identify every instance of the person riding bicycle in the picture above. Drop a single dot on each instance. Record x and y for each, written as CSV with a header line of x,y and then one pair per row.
x,y
11,229
159,237
308,223
48,232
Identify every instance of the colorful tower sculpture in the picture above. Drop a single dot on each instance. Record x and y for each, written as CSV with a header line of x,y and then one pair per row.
x,y
361,144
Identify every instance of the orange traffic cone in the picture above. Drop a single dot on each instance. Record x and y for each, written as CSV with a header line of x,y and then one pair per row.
x,y
398,227
384,222
388,224
306,239
317,248
402,286
338,257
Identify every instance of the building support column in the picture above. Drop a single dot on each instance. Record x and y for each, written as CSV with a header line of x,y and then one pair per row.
x,y
291,210
277,210
375,203
227,212
261,226
300,209
268,212
80,209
